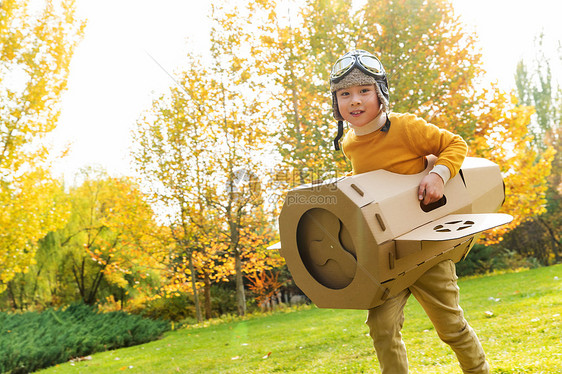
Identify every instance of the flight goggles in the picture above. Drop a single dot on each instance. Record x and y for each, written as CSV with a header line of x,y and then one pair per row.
x,y
363,60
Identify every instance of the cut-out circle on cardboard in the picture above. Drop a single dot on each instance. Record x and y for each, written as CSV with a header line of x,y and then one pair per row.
x,y
326,248
458,225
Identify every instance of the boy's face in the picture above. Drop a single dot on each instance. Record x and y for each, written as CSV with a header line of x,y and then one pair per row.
x,y
358,105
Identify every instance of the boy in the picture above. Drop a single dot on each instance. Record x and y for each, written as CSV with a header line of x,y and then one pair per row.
x,y
399,143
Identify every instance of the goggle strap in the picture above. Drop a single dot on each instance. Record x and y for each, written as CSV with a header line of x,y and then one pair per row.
x,y
338,136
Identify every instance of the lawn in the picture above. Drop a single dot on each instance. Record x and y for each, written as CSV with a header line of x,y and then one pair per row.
x,y
518,317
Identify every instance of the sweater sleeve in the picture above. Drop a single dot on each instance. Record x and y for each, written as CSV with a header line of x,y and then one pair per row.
x,y
427,139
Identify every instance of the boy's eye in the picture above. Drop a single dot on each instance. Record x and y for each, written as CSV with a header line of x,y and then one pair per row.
x,y
343,93
364,90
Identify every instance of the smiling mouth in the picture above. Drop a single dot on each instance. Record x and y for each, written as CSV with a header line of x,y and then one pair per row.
x,y
356,113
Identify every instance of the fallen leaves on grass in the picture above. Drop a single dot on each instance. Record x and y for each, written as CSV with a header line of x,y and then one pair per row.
x,y
78,359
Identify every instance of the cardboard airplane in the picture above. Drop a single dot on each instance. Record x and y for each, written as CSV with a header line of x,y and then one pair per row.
x,y
353,242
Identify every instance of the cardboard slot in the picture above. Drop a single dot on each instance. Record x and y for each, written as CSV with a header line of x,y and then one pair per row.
x,y
461,174
358,190
380,221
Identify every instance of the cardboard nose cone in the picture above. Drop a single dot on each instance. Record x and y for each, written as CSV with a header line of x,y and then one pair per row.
x,y
352,242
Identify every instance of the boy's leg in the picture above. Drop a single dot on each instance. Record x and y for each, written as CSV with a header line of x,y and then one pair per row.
x,y
385,323
438,293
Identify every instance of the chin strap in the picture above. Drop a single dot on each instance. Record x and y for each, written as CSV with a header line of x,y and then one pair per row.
x,y
338,136
386,126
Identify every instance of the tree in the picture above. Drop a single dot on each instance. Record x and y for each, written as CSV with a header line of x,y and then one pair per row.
x,y
240,131
432,63
238,128
37,288
539,236
503,137
110,247
295,54
265,286
173,144
262,267
35,51
434,70
198,148
213,266
111,241
537,88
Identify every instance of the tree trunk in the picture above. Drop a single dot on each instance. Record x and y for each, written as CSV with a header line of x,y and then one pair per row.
x,y
92,294
240,294
194,288
22,292
208,308
12,295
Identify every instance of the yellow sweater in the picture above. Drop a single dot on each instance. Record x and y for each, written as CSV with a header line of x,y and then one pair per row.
x,y
403,148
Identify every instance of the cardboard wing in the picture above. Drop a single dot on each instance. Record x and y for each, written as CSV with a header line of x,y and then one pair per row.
x,y
353,242
450,228
455,226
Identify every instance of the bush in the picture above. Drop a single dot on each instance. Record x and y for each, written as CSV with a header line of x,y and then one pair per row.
x,y
174,309
31,341
223,298
484,259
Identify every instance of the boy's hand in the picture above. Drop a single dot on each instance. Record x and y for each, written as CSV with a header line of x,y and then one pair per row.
x,y
431,188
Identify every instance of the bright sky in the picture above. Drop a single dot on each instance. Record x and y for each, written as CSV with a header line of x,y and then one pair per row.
x,y
113,78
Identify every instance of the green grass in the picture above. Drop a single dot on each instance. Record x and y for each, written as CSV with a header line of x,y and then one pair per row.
x,y
523,335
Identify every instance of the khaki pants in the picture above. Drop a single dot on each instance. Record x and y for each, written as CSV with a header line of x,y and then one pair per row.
x,y
438,294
